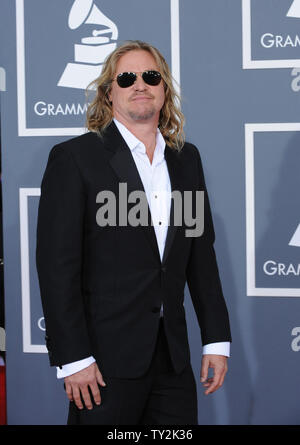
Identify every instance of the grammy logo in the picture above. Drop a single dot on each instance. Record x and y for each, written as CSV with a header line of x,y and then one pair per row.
x,y
90,54
294,10
295,240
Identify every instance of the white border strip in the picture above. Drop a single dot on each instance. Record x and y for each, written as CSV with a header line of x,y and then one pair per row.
x,y
175,42
248,63
246,29
21,84
252,290
24,193
2,79
20,67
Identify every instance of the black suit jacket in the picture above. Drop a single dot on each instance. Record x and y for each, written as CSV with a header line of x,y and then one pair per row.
x,y
102,287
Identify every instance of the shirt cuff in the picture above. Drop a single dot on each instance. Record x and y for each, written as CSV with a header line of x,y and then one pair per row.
x,y
219,348
72,368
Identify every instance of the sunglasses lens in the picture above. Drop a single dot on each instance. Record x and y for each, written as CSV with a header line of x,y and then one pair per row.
x,y
151,77
125,80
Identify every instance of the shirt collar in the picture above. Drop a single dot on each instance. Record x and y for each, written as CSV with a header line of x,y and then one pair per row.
x,y
135,144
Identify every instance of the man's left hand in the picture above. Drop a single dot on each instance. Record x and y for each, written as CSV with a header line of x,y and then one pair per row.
x,y
219,365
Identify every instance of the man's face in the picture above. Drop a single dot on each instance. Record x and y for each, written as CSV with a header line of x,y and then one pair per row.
x,y
140,102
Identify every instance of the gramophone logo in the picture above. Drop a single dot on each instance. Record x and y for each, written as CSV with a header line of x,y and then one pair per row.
x,y
61,47
270,38
272,209
295,240
91,52
294,10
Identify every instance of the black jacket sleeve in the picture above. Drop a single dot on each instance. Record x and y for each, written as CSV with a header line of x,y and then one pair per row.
x,y
203,277
60,231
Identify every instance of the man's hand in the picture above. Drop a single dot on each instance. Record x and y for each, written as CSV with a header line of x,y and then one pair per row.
x,y
219,364
79,383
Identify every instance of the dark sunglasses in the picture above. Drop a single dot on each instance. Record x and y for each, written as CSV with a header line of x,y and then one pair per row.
x,y
127,79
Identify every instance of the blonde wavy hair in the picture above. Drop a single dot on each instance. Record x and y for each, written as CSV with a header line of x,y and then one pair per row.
x,y
99,111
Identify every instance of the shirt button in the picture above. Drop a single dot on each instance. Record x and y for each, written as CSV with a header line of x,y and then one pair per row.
x,y
159,222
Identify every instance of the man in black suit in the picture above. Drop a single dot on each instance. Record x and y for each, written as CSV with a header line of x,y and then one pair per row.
x,y
112,287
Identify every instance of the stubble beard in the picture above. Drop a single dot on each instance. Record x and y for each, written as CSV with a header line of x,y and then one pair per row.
x,y
142,115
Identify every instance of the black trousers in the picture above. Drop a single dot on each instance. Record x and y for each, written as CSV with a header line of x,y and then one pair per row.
x,y
160,397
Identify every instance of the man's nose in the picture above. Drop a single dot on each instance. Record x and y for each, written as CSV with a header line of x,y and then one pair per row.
x,y
139,83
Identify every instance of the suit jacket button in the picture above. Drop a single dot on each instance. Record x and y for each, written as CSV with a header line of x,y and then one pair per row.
x,y
155,310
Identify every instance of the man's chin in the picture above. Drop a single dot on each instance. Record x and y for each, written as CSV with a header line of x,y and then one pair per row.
x,y
142,115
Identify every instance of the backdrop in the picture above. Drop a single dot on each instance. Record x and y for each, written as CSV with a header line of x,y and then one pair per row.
x,y
238,66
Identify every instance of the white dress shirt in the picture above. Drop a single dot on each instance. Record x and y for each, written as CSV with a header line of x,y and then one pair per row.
x,y
156,182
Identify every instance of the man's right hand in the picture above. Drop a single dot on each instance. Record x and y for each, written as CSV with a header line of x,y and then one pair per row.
x,y
77,384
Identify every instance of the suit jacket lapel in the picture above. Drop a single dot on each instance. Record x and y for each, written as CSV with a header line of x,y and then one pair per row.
x,y
174,168
124,166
